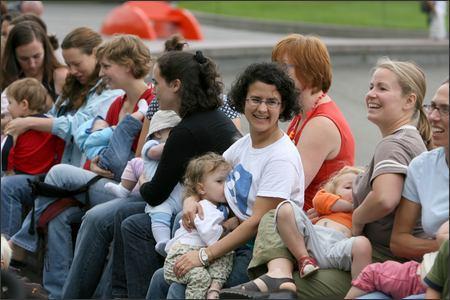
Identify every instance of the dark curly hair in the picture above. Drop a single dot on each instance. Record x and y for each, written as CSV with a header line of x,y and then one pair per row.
x,y
200,82
268,73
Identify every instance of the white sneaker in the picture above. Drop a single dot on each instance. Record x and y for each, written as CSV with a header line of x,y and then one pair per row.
x,y
117,189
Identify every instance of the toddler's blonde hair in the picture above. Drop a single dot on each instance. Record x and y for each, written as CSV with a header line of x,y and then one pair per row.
x,y
198,168
331,185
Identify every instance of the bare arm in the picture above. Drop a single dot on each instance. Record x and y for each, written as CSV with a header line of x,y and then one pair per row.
x,y
403,243
381,201
246,230
320,140
155,152
432,294
342,206
20,125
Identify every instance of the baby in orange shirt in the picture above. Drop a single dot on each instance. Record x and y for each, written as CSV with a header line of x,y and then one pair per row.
x,y
328,244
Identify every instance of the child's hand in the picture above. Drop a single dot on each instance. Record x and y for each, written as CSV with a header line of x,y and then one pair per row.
x,y
17,126
96,169
231,224
312,214
191,207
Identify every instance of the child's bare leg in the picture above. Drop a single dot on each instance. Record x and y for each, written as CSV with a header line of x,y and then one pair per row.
x,y
354,292
128,184
361,254
213,292
287,229
294,240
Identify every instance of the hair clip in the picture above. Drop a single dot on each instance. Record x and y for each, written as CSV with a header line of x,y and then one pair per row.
x,y
199,57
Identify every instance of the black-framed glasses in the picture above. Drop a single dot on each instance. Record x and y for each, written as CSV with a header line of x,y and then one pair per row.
x,y
271,103
442,109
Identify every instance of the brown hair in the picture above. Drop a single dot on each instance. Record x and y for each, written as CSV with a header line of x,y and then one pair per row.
x,y
31,90
411,79
175,42
127,50
22,34
331,185
32,17
310,57
198,168
86,40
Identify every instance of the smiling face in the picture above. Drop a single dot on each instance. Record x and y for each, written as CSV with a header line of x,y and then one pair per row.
x,y
31,58
212,185
439,120
262,118
344,186
113,74
385,100
80,65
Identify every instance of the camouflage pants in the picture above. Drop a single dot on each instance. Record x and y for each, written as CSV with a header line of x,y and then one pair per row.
x,y
199,279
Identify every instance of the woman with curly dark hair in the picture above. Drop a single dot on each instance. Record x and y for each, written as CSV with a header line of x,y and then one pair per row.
x,y
266,171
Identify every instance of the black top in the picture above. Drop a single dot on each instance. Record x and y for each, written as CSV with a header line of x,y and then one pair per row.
x,y
193,136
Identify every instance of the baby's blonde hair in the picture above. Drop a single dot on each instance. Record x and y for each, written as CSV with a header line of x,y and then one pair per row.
x,y
6,253
331,185
198,168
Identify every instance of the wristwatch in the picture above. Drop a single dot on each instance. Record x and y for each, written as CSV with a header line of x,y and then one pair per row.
x,y
203,257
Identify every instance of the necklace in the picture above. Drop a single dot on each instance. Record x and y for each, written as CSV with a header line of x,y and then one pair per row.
x,y
293,133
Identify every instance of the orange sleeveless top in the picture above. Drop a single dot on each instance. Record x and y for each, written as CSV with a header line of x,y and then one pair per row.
x,y
346,155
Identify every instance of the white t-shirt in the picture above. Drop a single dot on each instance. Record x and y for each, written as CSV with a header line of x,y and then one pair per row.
x,y
207,232
426,183
273,171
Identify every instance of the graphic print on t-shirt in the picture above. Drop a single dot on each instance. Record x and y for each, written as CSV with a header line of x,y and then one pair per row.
x,y
238,185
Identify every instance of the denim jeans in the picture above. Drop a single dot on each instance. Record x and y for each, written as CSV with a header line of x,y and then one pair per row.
x,y
15,192
159,288
100,227
141,259
59,250
69,177
118,152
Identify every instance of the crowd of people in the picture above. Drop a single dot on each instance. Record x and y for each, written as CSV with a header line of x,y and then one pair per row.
x,y
148,188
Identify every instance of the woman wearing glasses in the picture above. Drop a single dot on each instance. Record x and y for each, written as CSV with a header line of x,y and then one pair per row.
x,y
425,193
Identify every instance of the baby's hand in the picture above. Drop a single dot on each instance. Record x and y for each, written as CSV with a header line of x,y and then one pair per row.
x,y
231,223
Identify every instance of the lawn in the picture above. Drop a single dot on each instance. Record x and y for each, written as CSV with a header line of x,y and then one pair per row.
x,y
387,14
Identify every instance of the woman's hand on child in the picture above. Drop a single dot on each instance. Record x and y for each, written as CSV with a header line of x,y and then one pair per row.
x,y
96,169
17,126
186,262
191,207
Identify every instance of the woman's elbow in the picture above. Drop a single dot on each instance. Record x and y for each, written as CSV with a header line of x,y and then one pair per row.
x,y
388,204
396,246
